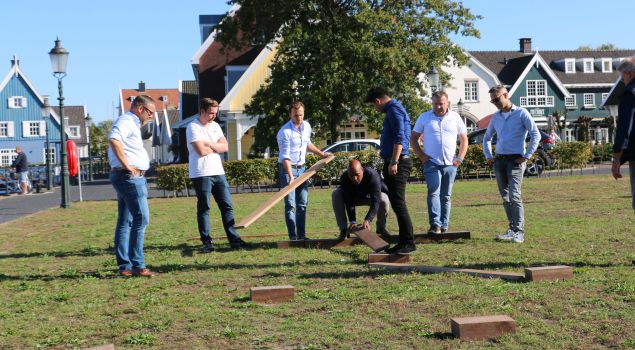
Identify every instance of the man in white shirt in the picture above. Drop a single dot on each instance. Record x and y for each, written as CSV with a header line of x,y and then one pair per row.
x,y
440,129
128,164
294,140
205,142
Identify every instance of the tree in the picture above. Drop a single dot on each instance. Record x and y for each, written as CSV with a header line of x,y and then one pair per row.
x,y
99,139
603,47
330,52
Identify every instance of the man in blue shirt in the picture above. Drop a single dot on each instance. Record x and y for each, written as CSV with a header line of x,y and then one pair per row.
x,y
511,125
394,143
294,140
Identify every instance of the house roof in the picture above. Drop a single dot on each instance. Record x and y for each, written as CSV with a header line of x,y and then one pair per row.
x,y
509,65
76,116
173,102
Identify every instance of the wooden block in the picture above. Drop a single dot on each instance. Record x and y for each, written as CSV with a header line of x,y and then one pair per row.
x,y
394,258
371,239
291,244
482,327
271,294
283,192
510,276
103,347
549,273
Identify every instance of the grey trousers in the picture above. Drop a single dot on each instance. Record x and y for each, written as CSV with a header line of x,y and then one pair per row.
x,y
509,177
339,209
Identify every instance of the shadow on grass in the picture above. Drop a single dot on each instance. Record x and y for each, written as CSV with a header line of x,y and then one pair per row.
x,y
186,250
439,336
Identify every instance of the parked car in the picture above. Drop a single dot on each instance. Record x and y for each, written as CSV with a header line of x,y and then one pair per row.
x,y
353,145
534,168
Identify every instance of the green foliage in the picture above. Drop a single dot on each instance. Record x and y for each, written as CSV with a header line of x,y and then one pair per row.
x,y
173,177
474,160
602,153
329,53
572,154
99,139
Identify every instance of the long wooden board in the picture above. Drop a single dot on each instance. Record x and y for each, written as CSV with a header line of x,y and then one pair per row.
x,y
441,269
283,192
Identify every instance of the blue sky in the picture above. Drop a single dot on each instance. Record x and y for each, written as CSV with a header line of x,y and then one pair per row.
x,y
117,43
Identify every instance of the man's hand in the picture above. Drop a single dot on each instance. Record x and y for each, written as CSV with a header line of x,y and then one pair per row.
x,y
425,158
291,178
366,225
326,155
490,162
392,169
615,170
133,171
352,228
456,163
521,160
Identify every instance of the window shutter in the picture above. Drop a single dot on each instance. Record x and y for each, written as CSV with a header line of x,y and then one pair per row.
x,y
42,128
10,102
10,131
23,104
25,129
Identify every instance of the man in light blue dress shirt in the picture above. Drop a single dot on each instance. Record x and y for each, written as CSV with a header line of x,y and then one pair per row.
x,y
511,125
294,140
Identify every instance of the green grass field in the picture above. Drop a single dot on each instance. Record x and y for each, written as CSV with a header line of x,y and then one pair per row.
x,y
59,288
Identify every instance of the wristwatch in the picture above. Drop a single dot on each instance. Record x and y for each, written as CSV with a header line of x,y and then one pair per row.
x,y
394,162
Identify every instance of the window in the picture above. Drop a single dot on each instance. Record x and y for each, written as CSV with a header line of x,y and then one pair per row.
x,y
570,101
569,65
7,156
164,98
605,95
360,134
73,132
132,98
51,154
536,95
6,129
471,91
589,100
587,65
607,65
33,128
17,102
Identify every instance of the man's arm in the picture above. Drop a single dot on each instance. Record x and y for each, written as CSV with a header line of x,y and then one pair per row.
x,y
414,143
347,195
375,199
117,148
204,148
313,149
462,150
487,141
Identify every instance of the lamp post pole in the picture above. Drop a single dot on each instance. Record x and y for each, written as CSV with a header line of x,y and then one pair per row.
x,y
90,155
433,79
46,113
59,58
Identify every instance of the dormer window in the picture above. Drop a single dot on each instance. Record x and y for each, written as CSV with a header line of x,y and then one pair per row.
x,y
569,65
607,65
132,98
17,102
587,64
164,98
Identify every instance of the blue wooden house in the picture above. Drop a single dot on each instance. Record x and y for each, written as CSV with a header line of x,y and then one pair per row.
x,y
22,123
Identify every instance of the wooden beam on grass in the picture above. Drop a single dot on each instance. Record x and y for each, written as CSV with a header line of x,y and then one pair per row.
x,y
245,222
510,276
482,327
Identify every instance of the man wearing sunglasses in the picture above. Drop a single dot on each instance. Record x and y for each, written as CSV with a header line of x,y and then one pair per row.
x,y
511,124
128,164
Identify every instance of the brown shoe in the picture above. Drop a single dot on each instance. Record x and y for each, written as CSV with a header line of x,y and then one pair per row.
x,y
143,273
125,273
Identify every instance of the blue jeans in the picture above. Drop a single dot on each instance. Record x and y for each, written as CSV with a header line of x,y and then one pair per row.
x,y
509,177
295,204
218,187
133,217
439,179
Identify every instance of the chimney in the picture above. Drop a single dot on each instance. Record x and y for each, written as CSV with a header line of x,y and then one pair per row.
x,y
525,45
15,61
142,85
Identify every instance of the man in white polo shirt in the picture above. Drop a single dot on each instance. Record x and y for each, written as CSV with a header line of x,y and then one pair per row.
x,y
205,142
128,164
440,128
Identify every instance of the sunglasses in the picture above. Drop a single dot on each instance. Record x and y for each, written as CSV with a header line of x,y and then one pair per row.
x,y
149,111
497,99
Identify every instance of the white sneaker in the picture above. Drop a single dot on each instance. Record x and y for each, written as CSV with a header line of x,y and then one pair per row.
x,y
507,236
519,237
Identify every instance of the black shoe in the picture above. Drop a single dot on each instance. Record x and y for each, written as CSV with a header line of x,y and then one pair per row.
x,y
343,235
208,247
434,229
393,249
444,230
240,244
385,235
405,249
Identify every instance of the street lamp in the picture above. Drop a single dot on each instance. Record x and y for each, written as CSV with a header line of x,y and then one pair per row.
x,y
433,79
90,156
59,58
46,113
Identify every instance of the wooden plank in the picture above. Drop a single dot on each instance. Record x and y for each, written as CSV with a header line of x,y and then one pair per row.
x,y
245,222
271,294
442,269
482,327
320,243
290,244
394,258
549,273
371,239
103,347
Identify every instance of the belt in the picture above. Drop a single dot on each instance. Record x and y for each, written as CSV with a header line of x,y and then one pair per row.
x,y
126,171
403,156
508,156
297,166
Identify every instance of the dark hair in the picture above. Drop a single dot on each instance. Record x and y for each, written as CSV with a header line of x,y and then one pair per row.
x,y
295,105
498,88
142,100
207,102
375,93
439,94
